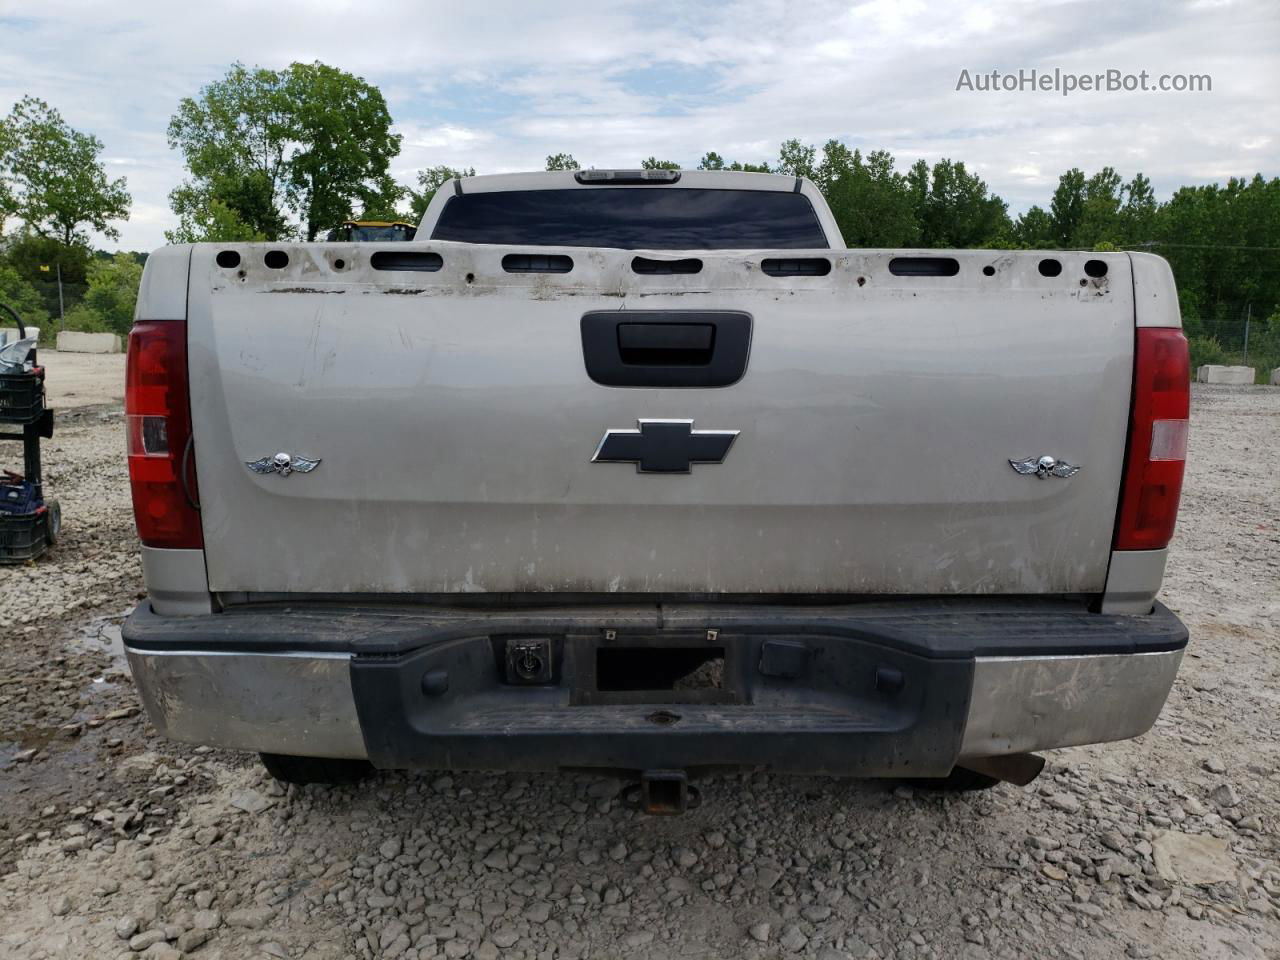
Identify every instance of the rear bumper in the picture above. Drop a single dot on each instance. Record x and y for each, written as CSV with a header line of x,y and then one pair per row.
x,y
904,688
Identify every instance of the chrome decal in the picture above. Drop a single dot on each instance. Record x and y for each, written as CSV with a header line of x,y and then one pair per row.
x,y
283,464
1044,467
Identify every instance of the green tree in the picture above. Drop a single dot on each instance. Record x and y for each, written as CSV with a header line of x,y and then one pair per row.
x,y
713,161
562,161
203,217
1066,208
837,161
796,159
233,137
57,182
868,197
312,140
429,181
385,205
1100,220
1221,241
1264,346
109,302
254,199
22,296
8,199
1138,214
1034,230
653,163
27,252
38,261
343,144
953,206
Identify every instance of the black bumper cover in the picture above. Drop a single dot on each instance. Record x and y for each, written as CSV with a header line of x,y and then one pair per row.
x,y
853,689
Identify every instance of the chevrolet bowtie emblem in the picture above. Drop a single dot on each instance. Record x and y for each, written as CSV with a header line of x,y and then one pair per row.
x,y
664,446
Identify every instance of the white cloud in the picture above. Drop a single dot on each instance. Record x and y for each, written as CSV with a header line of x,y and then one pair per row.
x,y
500,84
447,136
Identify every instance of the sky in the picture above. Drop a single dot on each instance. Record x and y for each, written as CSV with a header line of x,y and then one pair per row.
x,y
500,85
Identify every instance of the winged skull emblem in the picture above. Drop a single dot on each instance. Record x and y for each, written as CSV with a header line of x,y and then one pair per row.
x,y
283,464
1044,467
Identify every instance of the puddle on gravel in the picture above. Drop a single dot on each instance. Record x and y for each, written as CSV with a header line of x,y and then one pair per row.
x,y
29,738
101,635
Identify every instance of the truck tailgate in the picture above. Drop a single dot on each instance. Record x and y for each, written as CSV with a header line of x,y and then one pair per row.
x,y
455,424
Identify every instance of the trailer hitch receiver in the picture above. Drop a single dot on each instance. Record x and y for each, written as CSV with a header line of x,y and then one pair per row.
x,y
662,793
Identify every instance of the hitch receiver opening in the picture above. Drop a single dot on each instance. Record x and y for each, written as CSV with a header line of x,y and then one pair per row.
x,y
662,793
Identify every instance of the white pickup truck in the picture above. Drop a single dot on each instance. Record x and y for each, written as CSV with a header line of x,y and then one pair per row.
x,y
644,471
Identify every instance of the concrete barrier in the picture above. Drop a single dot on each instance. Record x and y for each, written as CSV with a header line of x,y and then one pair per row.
x,y
11,333
1215,373
73,341
1275,377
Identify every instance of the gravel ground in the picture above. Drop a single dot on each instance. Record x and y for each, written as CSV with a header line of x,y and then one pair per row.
x,y
116,843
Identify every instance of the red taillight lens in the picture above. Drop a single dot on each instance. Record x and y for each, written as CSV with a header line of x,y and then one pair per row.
x,y
158,426
1157,440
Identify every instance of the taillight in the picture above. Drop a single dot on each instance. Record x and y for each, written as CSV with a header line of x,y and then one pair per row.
x,y
1157,440
158,426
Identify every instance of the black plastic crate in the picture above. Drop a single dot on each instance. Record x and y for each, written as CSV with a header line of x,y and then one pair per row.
x,y
24,536
22,396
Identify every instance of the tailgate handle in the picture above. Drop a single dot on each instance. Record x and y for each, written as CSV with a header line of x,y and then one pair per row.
x,y
666,348
666,344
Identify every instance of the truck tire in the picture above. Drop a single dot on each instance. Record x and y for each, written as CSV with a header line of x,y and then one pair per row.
x,y
290,769
960,780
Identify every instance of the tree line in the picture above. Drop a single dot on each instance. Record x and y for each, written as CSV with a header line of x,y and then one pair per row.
x,y
54,184
290,153
1222,240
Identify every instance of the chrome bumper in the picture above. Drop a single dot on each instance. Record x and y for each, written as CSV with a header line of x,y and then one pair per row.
x,y
1020,704
303,703
289,703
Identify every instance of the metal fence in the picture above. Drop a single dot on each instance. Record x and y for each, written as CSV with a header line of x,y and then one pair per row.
x,y
1246,343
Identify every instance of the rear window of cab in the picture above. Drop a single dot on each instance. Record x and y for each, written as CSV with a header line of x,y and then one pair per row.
x,y
649,218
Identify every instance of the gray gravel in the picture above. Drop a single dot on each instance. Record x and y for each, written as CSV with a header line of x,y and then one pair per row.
x,y
1164,846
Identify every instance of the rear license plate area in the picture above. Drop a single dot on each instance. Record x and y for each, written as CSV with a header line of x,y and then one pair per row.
x,y
693,670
